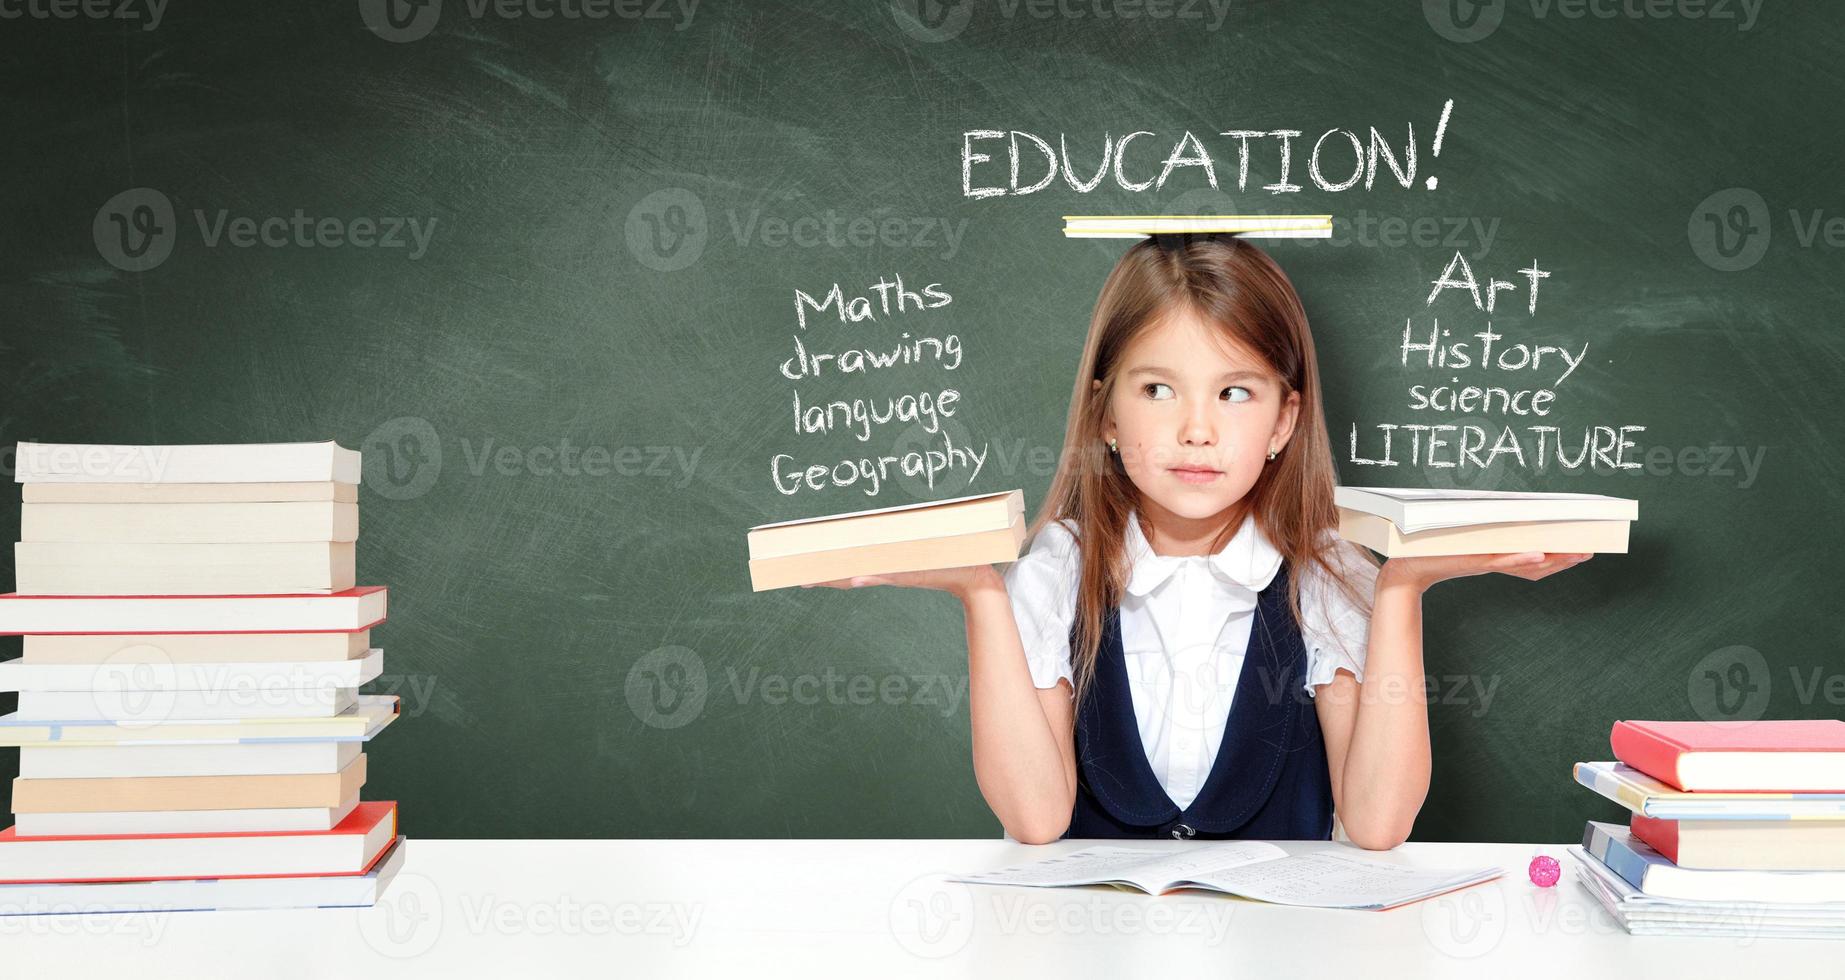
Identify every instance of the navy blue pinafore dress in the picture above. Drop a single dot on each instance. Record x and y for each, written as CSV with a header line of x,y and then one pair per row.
x,y
1269,779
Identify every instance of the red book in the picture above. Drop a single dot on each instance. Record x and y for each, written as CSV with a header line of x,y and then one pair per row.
x,y
1736,756
341,612
349,848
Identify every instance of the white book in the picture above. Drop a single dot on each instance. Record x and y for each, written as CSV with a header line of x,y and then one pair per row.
x,y
1413,510
1251,869
363,720
236,759
346,849
189,648
284,462
200,894
229,523
113,676
139,568
148,707
186,493
354,609
253,820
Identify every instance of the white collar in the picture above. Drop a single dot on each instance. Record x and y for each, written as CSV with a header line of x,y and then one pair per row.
x,y
1248,559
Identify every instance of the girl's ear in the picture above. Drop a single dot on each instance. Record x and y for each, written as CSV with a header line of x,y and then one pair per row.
x,y
1284,426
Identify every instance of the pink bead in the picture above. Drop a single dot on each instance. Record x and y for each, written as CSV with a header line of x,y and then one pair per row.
x,y
1544,871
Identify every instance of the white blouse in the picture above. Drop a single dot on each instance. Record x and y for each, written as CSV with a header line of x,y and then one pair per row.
x,y
1185,624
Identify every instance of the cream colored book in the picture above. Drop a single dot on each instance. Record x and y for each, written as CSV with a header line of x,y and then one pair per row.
x,y
187,493
207,759
361,722
191,523
252,820
192,648
1557,537
189,792
110,569
979,530
279,462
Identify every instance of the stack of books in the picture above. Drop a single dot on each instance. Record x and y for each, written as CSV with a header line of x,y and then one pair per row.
x,y
1408,523
1736,829
979,530
190,725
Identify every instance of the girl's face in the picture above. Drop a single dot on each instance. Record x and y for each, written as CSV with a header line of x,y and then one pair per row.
x,y
1195,417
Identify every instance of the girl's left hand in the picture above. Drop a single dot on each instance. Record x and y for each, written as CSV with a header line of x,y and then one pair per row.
x,y
1420,573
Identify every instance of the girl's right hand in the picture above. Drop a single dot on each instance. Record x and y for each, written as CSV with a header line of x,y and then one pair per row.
x,y
959,582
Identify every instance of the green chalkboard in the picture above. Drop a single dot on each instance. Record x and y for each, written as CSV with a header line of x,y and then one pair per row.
x,y
544,272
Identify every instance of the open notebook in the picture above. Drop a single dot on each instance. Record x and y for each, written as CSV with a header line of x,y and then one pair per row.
x,y
1251,869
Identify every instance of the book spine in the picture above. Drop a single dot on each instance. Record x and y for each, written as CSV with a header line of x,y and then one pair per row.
x,y
1660,835
1611,788
1618,858
1647,753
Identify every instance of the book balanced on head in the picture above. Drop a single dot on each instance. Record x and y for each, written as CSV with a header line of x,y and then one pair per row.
x,y
1409,523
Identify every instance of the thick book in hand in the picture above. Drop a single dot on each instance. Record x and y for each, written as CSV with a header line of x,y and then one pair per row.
x,y
1252,869
1404,522
348,849
354,609
1555,537
1737,756
978,530
283,462
1650,797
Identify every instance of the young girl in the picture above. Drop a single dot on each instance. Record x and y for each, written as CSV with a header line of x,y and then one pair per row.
x,y
1187,649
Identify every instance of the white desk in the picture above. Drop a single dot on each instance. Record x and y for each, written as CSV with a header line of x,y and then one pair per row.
x,y
871,908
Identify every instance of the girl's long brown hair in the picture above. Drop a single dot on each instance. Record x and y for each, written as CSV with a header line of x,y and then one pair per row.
x,y
1237,288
